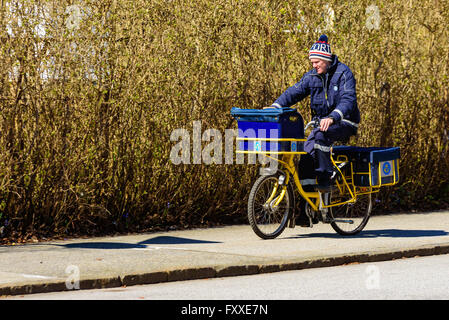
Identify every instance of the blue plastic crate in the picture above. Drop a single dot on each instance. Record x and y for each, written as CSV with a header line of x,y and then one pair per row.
x,y
269,130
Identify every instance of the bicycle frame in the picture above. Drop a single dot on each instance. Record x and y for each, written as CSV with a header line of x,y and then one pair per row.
x,y
313,198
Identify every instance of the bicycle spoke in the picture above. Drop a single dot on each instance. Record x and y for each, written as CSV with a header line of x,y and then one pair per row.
x,y
350,218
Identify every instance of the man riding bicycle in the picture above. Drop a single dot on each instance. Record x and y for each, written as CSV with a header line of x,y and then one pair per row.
x,y
332,89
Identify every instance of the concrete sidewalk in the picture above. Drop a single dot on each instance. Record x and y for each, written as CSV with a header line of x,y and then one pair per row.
x,y
215,252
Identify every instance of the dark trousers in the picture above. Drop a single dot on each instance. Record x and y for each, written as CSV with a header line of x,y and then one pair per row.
x,y
318,146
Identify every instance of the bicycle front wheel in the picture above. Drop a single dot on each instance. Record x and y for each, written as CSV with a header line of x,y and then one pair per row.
x,y
351,218
269,206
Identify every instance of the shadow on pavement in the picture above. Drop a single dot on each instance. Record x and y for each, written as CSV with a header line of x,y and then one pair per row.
x,y
386,233
142,244
174,240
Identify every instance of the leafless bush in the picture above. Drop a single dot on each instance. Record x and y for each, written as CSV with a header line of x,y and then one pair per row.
x,y
91,90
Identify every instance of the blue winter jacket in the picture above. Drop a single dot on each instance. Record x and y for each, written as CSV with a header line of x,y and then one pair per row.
x,y
332,94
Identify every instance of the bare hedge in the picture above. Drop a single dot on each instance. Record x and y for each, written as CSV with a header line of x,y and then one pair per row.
x,y
92,90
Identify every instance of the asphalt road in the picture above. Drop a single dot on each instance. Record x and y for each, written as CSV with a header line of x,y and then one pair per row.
x,y
402,279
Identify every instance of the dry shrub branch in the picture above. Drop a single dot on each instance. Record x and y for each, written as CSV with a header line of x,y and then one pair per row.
x,y
90,92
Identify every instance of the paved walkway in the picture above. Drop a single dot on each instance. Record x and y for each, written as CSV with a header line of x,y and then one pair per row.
x,y
215,252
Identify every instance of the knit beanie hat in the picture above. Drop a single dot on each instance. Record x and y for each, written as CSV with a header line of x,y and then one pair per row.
x,y
321,49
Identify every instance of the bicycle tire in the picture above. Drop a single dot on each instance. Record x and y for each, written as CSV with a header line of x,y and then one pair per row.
x,y
358,212
269,222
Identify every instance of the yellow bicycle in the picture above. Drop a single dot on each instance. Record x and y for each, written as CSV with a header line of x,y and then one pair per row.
x,y
272,204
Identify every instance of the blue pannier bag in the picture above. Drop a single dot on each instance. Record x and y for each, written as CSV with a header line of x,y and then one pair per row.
x,y
372,166
269,130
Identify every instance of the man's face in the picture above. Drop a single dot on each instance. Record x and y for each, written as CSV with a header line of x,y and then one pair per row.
x,y
320,65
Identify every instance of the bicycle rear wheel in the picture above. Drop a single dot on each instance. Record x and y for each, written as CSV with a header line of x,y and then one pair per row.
x,y
351,218
267,219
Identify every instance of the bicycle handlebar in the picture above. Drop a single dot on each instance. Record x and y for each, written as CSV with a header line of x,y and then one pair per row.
x,y
315,123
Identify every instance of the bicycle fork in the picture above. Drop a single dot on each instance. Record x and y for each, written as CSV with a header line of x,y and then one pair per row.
x,y
279,198
273,201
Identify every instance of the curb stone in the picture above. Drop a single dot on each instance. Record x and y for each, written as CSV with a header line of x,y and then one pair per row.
x,y
225,271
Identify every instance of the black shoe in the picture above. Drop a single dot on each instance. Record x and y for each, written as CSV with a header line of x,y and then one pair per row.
x,y
303,220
